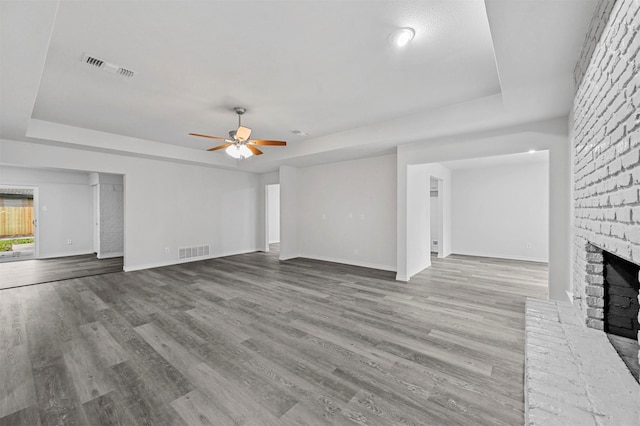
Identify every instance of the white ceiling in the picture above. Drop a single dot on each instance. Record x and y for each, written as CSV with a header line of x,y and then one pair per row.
x,y
324,67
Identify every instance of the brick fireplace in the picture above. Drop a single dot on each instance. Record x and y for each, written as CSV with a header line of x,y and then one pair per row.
x,y
605,133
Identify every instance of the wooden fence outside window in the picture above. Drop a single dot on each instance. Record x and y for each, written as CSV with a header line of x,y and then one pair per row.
x,y
16,217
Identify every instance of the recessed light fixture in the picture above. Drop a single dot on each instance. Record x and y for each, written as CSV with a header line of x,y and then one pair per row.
x,y
402,36
300,132
531,151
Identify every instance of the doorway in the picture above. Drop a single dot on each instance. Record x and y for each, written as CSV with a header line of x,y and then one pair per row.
x,y
435,217
18,223
272,226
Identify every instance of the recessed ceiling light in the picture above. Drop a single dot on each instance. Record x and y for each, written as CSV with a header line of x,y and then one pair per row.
x,y
300,132
531,151
402,36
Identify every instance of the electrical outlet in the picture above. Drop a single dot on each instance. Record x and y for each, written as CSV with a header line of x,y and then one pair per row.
x,y
69,242
529,245
166,250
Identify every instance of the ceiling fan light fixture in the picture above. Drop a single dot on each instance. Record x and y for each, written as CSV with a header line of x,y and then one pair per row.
x,y
238,145
239,151
402,36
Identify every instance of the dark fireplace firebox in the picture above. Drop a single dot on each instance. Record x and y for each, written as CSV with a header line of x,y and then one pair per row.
x,y
621,296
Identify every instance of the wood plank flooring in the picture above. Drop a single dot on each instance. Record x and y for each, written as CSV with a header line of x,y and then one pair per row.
x,y
36,271
250,340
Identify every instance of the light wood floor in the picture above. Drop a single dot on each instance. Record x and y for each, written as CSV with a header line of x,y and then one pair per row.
x,y
36,271
250,340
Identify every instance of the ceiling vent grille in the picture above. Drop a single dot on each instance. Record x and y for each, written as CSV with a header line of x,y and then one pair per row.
x,y
93,61
107,66
125,72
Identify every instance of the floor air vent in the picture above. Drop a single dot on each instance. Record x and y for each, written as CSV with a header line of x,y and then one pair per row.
x,y
198,251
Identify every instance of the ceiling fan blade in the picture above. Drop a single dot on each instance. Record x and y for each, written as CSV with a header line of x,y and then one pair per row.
x,y
255,150
224,145
243,133
207,136
265,142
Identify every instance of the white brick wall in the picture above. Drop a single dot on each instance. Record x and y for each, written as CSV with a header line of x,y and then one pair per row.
x,y
606,142
596,28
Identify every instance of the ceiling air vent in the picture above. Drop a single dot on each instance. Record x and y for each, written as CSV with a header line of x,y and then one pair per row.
x,y
125,72
107,66
92,61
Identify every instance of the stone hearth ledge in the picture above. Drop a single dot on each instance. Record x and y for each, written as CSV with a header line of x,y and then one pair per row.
x,y
573,376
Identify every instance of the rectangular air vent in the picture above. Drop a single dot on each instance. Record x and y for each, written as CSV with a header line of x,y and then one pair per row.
x,y
125,72
189,252
107,66
92,61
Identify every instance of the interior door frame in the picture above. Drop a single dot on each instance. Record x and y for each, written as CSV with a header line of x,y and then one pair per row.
x,y
267,218
95,194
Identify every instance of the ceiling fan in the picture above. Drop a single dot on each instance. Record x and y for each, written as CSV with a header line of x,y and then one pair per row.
x,y
238,145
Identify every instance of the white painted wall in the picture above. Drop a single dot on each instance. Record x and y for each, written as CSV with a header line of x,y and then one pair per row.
x,y
497,211
273,214
346,212
419,215
418,220
549,135
65,206
167,205
289,243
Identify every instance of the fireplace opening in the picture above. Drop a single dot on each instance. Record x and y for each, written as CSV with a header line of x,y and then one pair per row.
x,y
621,296
621,286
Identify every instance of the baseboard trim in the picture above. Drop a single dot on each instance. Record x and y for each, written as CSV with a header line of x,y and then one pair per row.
x,y
499,256
128,268
52,255
402,278
288,257
110,255
351,262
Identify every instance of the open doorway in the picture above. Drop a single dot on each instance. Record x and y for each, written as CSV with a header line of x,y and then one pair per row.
x,y
18,223
108,215
435,217
272,228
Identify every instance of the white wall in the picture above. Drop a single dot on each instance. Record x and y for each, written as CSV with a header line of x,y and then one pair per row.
x,y
347,212
65,208
167,205
549,135
497,211
273,214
